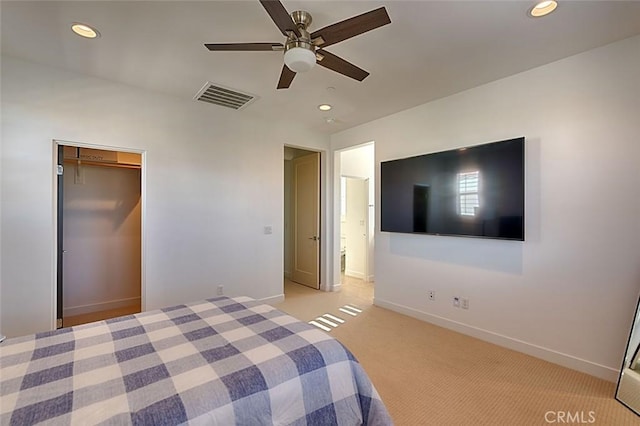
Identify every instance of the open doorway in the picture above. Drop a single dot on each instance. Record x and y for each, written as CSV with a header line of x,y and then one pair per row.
x,y
301,218
99,258
345,295
357,215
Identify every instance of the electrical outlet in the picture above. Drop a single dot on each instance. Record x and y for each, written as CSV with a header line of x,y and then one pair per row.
x,y
220,290
464,303
456,302
432,295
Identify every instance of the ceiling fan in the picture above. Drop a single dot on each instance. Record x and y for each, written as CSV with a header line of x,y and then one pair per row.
x,y
302,50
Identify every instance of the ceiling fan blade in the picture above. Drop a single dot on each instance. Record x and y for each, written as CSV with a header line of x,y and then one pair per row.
x,y
352,27
280,16
286,77
337,64
244,46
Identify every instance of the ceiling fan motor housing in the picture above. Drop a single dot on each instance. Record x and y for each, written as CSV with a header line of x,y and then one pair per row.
x,y
299,52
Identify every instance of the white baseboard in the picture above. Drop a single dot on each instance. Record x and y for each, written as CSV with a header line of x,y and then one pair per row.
x,y
360,275
273,300
354,274
569,361
101,306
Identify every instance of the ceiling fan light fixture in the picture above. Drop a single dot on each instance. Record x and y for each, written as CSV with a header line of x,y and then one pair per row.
x,y
299,59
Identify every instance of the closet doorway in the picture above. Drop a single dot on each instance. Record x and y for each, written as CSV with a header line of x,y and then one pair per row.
x,y
99,260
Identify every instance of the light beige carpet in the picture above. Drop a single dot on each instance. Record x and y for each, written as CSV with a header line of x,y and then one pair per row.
x,y
428,375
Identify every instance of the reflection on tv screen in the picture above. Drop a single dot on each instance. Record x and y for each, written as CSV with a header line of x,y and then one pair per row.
x,y
476,192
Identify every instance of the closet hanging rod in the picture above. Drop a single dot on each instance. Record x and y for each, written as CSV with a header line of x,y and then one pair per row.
x,y
101,163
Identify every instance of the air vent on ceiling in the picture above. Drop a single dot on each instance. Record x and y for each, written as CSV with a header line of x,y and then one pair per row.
x,y
224,96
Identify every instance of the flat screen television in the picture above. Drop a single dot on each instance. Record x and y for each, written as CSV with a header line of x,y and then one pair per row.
x,y
476,191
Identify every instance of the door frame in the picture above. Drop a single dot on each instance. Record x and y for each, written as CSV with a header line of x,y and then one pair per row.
x,y
57,244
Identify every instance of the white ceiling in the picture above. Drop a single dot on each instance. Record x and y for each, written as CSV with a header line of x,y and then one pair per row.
x,y
430,50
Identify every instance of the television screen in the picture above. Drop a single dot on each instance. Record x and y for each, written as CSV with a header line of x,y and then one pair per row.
x,y
476,191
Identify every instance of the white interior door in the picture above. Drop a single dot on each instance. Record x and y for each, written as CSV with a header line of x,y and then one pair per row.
x,y
306,220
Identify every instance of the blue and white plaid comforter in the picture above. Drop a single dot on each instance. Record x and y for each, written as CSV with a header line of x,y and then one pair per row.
x,y
220,361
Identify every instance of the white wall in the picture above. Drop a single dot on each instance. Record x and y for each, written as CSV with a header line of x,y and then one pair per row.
x,y
213,179
358,162
567,293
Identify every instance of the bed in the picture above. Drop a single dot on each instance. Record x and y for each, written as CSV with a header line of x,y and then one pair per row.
x,y
219,361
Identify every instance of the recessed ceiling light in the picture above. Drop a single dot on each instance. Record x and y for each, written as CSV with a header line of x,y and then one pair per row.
x,y
84,30
324,107
543,8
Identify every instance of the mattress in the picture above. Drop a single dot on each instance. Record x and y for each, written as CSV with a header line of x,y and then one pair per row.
x,y
218,361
